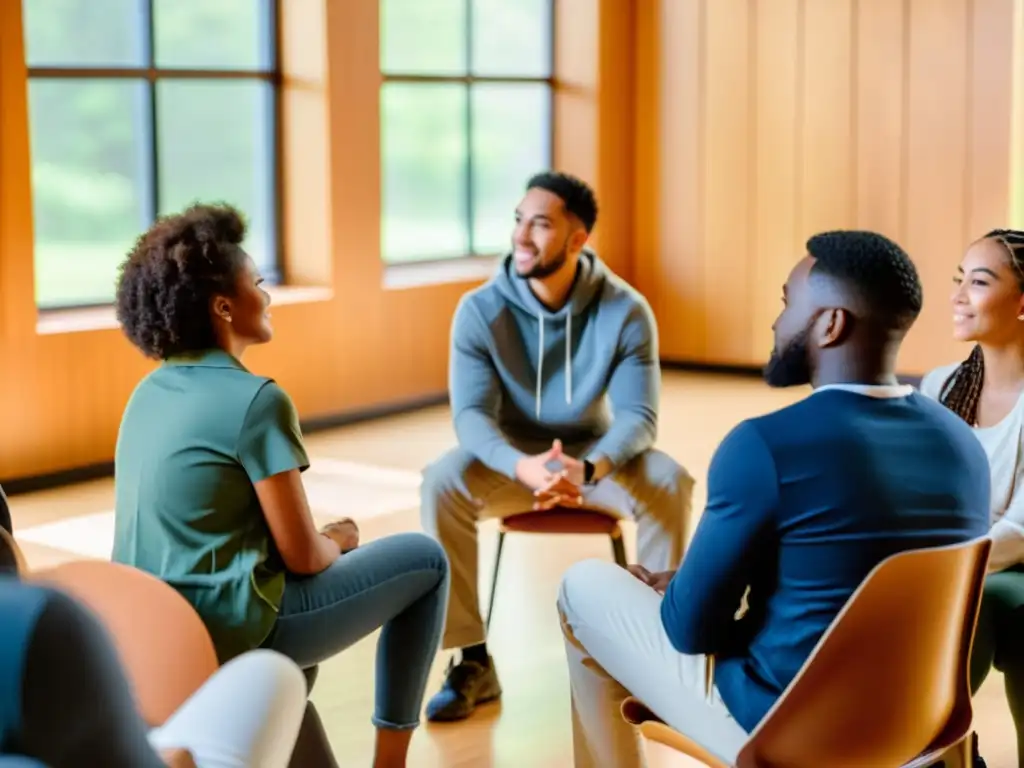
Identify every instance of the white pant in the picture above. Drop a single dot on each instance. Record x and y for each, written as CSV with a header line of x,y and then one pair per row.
x,y
616,646
247,715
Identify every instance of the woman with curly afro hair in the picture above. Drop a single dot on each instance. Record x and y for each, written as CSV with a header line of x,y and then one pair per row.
x,y
987,391
209,494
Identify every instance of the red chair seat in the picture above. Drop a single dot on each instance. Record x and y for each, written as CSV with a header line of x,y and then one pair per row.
x,y
561,520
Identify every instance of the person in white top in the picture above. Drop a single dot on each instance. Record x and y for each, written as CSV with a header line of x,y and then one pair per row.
x,y
987,391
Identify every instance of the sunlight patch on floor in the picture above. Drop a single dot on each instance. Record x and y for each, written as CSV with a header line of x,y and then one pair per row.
x,y
334,488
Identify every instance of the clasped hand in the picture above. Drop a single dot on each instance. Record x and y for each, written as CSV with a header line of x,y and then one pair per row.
x,y
560,488
344,532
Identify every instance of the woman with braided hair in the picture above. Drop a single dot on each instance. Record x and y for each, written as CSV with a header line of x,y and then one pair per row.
x,y
987,391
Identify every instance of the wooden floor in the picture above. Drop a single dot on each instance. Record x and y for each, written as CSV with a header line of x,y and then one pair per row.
x,y
371,472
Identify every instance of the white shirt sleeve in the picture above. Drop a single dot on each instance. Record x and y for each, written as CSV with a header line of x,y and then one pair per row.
x,y
931,383
1008,538
1007,460
1008,531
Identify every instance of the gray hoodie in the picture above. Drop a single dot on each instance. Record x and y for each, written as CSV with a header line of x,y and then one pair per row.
x,y
522,375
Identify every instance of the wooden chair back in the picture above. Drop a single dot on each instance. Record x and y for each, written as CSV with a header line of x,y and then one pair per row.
x,y
888,683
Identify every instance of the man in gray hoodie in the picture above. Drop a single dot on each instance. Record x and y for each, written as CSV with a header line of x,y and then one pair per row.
x,y
554,382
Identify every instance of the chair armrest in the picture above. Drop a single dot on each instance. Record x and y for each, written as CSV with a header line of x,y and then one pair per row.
x,y
653,729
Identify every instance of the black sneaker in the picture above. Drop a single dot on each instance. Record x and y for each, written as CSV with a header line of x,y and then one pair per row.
x,y
468,685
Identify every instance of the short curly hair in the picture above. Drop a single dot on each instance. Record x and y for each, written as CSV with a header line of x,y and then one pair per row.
x,y
576,194
165,285
875,270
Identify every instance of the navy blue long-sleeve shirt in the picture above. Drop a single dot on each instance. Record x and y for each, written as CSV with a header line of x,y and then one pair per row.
x,y
802,504
64,698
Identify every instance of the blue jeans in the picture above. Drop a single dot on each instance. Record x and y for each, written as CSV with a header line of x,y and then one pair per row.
x,y
399,583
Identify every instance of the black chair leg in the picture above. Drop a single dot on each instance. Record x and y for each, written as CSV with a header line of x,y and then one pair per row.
x,y
494,579
619,550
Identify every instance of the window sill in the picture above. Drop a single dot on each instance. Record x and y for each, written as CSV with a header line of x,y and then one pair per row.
x,y
56,321
419,274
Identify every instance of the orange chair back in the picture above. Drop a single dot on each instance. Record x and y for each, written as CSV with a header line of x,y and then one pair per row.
x,y
891,674
164,647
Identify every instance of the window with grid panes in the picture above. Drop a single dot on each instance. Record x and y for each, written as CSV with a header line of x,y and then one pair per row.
x,y
466,118
138,108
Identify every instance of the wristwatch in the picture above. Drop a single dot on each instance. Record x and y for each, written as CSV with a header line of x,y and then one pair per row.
x,y
588,472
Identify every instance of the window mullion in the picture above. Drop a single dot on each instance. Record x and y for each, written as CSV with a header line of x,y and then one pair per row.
x,y
470,211
151,133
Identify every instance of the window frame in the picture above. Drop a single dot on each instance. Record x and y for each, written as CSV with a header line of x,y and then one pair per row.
x,y
468,80
150,74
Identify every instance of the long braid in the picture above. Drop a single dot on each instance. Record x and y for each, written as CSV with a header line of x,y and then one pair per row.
x,y
961,391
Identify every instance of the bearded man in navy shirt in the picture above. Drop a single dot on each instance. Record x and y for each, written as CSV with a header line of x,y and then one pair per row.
x,y
802,504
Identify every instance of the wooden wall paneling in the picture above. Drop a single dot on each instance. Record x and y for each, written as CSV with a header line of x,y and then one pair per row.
x,y
975,186
1017,122
17,307
669,222
615,129
728,177
881,63
577,94
803,116
777,243
990,115
937,166
828,111
304,118
594,70
647,227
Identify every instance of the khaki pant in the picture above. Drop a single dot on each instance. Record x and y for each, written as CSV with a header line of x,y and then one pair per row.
x,y
616,646
458,491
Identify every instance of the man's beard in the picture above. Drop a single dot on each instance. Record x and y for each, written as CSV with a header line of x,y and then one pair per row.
x,y
540,270
790,367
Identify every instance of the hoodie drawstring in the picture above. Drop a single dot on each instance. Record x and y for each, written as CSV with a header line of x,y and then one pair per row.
x,y
540,366
540,362
568,359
